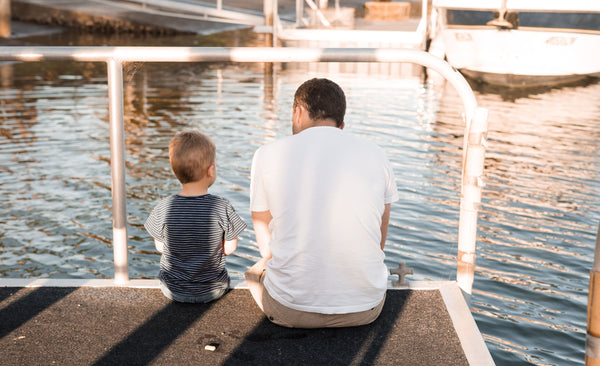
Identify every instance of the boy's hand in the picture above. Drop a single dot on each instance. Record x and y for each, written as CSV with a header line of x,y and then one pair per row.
x,y
160,246
229,246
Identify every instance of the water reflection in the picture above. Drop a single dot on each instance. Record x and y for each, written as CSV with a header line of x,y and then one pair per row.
x,y
540,209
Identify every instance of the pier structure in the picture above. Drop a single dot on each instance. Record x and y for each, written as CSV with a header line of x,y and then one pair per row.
x,y
5,18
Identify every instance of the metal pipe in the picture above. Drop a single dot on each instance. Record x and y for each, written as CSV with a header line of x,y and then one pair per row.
x,y
470,199
248,54
299,12
5,30
592,339
276,22
117,168
269,20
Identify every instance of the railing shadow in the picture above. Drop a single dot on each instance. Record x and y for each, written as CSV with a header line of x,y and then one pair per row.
x,y
28,306
155,335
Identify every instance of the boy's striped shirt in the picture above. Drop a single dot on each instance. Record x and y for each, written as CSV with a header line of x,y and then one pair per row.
x,y
192,230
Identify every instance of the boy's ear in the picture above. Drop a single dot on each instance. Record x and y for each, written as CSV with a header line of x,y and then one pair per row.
x,y
212,170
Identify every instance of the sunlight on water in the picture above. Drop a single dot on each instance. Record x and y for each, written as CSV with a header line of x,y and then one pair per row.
x,y
537,222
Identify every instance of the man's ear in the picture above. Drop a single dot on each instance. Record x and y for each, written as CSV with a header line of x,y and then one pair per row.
x,y
296,113
342,125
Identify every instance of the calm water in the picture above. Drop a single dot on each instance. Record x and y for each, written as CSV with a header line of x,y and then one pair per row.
x,y
537,225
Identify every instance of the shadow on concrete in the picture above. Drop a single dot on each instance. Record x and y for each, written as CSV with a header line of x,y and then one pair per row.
x,y
148,341
27,306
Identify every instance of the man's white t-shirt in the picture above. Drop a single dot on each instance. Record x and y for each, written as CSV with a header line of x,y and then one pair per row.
x,y
326,190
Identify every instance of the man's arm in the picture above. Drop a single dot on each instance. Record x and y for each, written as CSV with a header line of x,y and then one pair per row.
x,y
385,222
261,220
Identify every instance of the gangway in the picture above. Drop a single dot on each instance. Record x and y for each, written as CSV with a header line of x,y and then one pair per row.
x,y
194,10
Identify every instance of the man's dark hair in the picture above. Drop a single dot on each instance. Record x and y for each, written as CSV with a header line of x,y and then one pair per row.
x,y
323,99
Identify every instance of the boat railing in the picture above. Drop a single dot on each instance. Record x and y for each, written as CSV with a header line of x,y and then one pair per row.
x,y
475,119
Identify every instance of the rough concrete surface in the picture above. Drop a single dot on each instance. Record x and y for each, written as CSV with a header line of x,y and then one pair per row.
x,y
127,326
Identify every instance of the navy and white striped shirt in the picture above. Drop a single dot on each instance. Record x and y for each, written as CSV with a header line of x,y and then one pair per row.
x,y
192,230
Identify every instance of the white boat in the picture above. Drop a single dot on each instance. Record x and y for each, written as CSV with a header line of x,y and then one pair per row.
x,y
518,42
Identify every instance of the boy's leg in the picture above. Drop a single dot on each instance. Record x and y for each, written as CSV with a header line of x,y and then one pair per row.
x,y
211,296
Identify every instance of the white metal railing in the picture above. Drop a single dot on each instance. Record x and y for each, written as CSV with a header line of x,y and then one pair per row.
x,y
592,339
475,118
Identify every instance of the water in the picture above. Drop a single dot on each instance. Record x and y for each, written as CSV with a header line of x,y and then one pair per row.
x,y
537,225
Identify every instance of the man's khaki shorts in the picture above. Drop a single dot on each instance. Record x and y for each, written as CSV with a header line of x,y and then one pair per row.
x,y
291,318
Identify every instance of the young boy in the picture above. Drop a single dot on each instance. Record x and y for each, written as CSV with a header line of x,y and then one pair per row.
x,y
194,230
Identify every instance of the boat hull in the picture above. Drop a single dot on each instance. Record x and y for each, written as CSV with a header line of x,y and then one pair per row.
x,y
519,57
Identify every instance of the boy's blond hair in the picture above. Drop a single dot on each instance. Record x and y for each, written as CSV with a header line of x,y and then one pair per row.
x,y
191,153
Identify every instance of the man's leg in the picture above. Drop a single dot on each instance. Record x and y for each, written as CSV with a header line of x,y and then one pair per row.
x,y
286,317
254,278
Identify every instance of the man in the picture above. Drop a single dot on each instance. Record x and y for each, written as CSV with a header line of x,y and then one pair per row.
x,y
320,203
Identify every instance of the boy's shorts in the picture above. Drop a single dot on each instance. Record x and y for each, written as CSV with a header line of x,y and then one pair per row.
x,y
208,297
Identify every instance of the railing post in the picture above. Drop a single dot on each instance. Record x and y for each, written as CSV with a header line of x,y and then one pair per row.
x,y
470,199
299,12
5,16
117,166
269,20
592,339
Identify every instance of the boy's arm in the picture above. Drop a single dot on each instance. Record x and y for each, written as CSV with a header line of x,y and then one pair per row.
x,y
160,246
385,222
261,220
229,246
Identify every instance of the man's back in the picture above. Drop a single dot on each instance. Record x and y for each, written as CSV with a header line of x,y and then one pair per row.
x,y
326,192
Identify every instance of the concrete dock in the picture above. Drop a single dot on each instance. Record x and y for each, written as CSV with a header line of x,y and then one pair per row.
x,y
139,326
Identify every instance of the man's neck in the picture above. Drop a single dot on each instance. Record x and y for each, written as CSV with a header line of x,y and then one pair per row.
x,y
324,123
